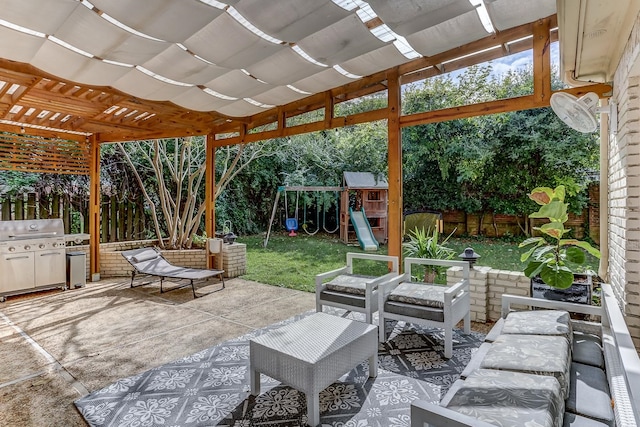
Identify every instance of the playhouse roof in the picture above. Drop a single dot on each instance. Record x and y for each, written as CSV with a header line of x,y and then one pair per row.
x,y
364,180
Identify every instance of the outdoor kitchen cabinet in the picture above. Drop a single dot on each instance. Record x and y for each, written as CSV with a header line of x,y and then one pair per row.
x,y
32,256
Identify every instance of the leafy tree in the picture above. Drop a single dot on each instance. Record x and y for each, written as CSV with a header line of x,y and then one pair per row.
x,y
488,163
175,170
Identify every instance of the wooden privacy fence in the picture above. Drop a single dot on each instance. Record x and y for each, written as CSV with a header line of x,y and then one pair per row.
x,y
125,220
121,220
499,225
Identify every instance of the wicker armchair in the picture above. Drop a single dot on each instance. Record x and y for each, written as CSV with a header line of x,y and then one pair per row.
x,y
352,292
426,304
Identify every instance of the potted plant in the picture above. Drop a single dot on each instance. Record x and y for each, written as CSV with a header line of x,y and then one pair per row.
x,y
551,257
424,244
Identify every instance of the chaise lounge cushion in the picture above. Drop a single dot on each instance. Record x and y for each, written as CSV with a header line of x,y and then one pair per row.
x,y
506,398
535,354
589,393
538,322
419,294
145,254
349,283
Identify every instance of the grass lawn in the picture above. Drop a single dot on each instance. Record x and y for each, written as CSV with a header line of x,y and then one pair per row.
x,y
293,262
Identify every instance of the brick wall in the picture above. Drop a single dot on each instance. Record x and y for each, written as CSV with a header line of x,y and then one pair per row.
x,y
234,259
113,264
624,187
107,258
487,286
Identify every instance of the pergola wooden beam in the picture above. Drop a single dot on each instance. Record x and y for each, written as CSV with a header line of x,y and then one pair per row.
x,y
66,110
491,47
394,160
495,107
94,209
209,192
89,106
541,61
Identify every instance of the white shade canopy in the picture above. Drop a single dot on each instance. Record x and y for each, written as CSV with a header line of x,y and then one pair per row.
x,y
240,57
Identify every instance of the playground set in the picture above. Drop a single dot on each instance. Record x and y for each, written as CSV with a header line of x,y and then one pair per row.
x,y
361,216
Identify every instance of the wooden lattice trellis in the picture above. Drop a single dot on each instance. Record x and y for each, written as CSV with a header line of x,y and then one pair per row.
x,y
38,154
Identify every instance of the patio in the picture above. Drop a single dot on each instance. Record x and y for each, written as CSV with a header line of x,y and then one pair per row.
x,y
58,346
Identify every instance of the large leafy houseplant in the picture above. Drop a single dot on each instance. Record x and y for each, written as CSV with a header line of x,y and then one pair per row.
x,y
551,256
425,244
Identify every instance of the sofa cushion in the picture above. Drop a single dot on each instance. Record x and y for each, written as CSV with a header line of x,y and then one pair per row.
x,y
538,322
589,393
573,420
535,354
507,398
419,294
349,283
476,360
495,331
587,349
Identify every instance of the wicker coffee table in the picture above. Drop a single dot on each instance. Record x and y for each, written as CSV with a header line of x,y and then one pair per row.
x,y
311,354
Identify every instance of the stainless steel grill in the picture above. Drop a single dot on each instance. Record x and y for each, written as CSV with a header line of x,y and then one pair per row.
x,y
32,256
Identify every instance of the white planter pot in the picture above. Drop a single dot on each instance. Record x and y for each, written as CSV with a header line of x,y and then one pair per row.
x,y
214,246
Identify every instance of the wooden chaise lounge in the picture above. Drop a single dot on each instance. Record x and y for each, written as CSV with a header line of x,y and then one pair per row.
x,y
150,261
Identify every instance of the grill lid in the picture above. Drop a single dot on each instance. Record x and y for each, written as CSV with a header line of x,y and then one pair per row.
x,y
31,229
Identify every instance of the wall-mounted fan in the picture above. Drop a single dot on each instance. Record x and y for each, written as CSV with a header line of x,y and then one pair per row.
x,y
580,113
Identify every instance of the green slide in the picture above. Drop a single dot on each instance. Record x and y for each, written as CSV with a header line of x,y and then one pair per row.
x,y
363,230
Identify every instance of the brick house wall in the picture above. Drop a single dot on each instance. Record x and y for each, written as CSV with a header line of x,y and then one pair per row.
x,y
624,186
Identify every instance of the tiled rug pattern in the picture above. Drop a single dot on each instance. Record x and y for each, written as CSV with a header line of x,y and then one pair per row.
x,y
211,387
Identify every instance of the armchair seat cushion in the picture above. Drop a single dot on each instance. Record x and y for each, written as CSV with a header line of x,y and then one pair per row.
x,y
534,354
506,398
349,283
538,322
413,310
344,298
419,294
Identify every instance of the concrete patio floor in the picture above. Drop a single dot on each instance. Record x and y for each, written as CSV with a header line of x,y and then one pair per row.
x,y
58,346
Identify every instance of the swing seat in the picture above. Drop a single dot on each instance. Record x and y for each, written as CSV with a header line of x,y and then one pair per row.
x,y
291,225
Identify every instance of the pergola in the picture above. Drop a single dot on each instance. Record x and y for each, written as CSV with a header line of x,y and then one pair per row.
x,y
75,74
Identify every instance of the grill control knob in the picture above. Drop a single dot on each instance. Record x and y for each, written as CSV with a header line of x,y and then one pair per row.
x,y
27,247
41,245
12,249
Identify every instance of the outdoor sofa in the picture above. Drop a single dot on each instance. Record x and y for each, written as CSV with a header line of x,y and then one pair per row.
x,y
542,368
149,261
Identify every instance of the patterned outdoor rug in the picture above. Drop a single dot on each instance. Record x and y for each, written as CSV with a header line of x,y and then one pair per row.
x,y
211,387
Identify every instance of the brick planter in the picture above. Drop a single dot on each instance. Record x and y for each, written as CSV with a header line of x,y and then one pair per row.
x,y
234,258
113,264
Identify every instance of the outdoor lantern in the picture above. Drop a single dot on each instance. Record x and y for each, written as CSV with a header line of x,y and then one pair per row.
x,y
230,238
470,256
